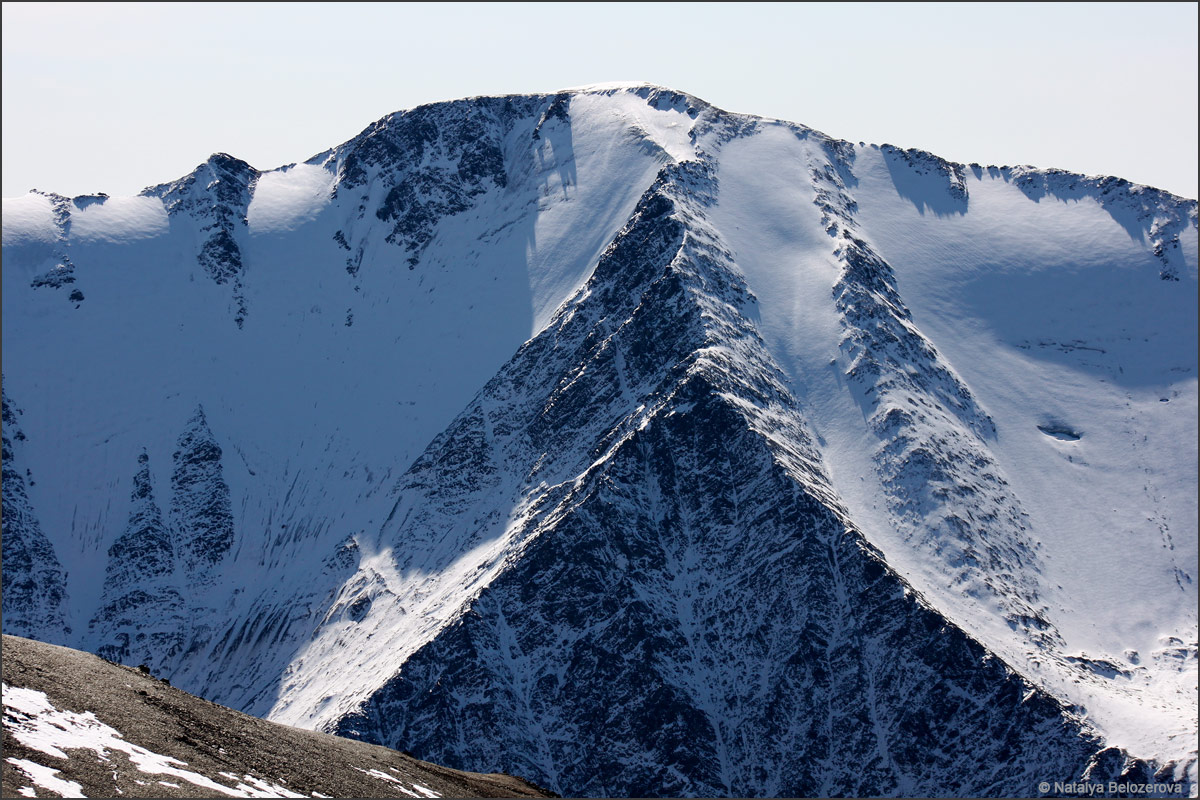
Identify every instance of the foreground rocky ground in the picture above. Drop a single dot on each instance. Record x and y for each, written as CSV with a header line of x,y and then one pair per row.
x,y
77,725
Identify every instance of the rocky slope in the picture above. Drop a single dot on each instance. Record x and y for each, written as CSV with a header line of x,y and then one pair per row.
x,y
34,583
78,726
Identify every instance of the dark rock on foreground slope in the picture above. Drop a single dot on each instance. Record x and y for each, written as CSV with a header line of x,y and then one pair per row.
x,y
237,752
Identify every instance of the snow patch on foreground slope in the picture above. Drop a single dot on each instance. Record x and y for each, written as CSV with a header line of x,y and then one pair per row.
x,y
36,723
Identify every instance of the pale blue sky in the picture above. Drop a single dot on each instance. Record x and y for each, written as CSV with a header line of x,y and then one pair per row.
x,y
116,97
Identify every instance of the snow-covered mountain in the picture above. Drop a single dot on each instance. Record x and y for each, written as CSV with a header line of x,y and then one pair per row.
x,y
628,445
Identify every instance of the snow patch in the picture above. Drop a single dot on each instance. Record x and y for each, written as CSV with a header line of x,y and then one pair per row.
x,y
119,219
28,219
286,198
35,722
421,791
45,778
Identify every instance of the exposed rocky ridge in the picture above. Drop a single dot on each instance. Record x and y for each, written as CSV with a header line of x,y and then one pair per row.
x,y
922,164
141,583
436,159
121,732
200,508
34,583
61,270
942,484
215,197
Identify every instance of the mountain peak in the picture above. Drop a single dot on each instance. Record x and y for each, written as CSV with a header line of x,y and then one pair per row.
x,y
696,444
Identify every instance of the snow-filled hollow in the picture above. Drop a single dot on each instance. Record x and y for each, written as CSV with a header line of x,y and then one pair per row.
x,y
286,198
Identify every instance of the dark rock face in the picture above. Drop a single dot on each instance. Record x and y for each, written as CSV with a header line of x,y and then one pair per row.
x,y
200,509
639,648
34,586
143,615
435,160
202,519
161,584
216,196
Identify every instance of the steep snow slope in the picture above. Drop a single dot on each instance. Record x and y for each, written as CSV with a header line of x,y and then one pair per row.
x,y
334,379
423,591
1051,309
1088,366
899,355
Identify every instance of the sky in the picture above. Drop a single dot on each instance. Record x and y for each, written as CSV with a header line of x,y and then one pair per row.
x,y
113,97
